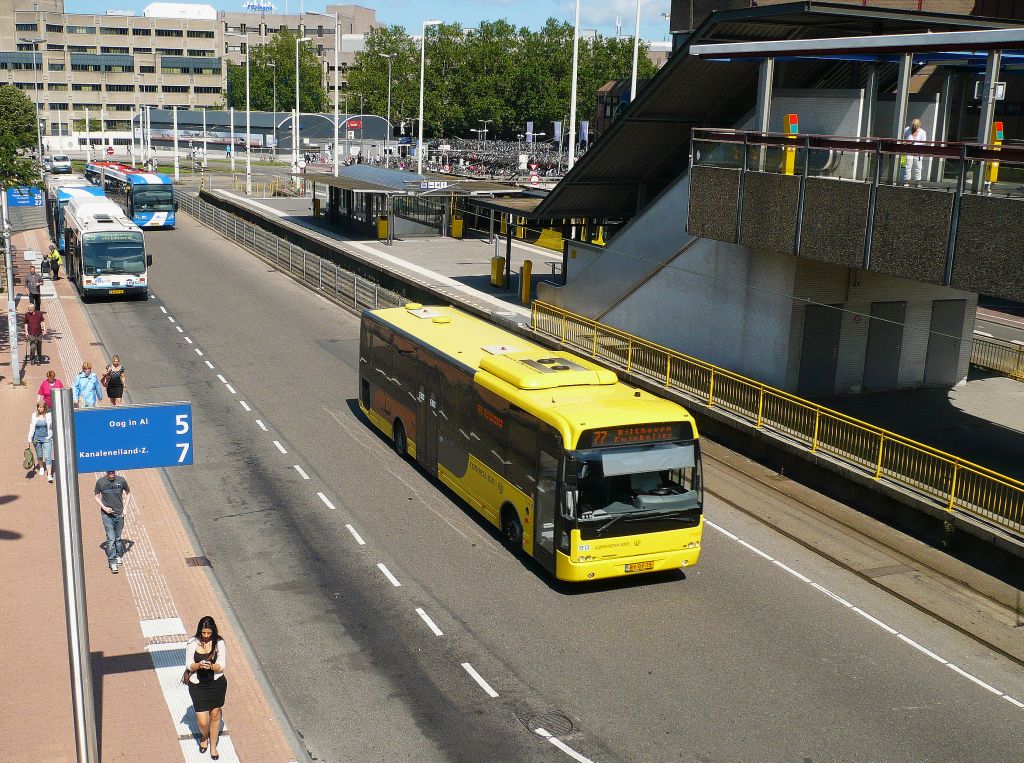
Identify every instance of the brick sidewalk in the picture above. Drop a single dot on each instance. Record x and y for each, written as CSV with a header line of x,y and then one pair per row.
x,y
138,619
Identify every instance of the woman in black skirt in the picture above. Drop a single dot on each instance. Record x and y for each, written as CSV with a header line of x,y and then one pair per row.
x,y
116,380
206,658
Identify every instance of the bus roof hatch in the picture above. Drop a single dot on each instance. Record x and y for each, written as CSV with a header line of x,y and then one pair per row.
x,y
545,370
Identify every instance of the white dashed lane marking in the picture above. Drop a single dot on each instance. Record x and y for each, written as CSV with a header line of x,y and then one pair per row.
x,y
563,747
357,536
245,405
280,447
188,339
171,319
326,500
388,575
430,623
180,329
231,389
301,472
163,309
222,379
199,352
208,364
261,425
479,679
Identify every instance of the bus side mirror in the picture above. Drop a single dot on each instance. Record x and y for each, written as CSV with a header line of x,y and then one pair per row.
x,y
149,260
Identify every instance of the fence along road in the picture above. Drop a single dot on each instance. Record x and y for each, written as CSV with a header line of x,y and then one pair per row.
x,y
945,479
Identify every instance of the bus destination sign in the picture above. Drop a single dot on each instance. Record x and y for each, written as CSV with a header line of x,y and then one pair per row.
x,y
116,236
636,434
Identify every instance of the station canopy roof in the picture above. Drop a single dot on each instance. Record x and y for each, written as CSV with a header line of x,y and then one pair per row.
x,y
647,147
365,178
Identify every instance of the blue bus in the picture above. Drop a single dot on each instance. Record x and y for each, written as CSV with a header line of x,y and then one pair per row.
x,y
146,197
64,194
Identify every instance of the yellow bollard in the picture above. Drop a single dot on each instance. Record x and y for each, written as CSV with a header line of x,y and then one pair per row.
x,y
497,271
992,171
792,128
526,282
520,228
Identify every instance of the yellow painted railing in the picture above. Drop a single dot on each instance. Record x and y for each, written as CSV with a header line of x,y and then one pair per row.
x,y
950,481
1007,359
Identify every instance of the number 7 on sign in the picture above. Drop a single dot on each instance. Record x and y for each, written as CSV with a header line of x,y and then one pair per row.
x,y
184,446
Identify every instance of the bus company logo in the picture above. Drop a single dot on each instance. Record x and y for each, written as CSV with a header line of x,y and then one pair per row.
x,y
481,472
490,416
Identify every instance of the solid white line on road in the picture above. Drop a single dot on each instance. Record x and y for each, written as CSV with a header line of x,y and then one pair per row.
x,y
231,389
163,309
983,333
479,679
222,379
327,501
180,329
301,473
430,623
189,340
171,319
921,649
722,530
357,536
208,364
978,681
1013,701
280,447
244,405
757,551
828,593
563,747
388,575
791,571
261,425
199,352
875,620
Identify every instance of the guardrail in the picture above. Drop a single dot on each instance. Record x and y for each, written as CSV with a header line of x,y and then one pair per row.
x,y
947,480
1006,359
351,291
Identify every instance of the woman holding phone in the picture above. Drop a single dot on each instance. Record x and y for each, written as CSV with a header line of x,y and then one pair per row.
x,y
205,659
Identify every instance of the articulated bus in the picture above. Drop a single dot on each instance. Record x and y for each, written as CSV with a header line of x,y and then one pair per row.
x,y
62,195
591,477
105,251
147,197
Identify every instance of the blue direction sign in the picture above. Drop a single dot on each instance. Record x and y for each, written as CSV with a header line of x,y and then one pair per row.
x,y
133,437
25,196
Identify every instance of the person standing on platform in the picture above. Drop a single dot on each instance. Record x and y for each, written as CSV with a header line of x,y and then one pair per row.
x,y
33,281
205,659
55,262
114,380
34,320
86,388
46,388
109,493
916,134
40,437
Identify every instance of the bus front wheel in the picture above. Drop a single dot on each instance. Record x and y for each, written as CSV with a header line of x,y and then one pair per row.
x,y
511,530
401,445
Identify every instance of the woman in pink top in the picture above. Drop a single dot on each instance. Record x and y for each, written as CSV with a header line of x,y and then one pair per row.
x,y
50,383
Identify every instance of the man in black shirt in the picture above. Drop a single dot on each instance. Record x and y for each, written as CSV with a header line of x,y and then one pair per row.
x,y
109,494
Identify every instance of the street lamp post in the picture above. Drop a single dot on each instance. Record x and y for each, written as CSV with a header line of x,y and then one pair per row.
x,y
248,120
37,66
387,129
273,65
423,59
636,53
337,80
572,98
295,124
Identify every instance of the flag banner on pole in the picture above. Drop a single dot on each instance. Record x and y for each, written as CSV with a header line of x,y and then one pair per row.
x,y
584,132
529,132
558,132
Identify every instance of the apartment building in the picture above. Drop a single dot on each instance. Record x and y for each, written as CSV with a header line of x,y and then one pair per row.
x,y
172,56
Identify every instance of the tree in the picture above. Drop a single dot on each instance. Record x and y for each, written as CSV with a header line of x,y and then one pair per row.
x,y
15,169
368,78
280,50
18,117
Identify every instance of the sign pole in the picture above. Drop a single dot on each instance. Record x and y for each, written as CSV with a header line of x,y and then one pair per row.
x,y
12,306
68,507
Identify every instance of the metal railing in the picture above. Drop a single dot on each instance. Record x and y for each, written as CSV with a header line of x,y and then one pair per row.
x,y
1006,359
943,478
351,291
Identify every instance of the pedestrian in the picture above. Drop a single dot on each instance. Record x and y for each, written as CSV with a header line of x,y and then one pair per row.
x,y
205,660
40,437
109,494
34,320
46,388
86,387
55,262
33,282
114,380
916,134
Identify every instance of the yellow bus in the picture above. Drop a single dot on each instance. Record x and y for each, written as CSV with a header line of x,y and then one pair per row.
x,y
591,477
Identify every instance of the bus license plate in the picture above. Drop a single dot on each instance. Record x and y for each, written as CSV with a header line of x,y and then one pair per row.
x,y
639,566
117,291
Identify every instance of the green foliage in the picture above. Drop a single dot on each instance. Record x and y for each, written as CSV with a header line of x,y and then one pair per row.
x,y
497,72
280,50
17,117
14,168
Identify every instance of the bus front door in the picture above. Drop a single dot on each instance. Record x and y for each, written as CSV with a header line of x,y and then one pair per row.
x,y
545,509
429,398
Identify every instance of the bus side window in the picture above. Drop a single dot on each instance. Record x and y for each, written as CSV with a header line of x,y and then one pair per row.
x,y
521,441
490,419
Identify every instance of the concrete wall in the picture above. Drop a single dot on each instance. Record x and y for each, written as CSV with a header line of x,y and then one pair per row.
x,y
979,265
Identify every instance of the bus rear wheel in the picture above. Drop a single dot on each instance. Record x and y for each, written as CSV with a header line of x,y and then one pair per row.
x,y
400,441
511,530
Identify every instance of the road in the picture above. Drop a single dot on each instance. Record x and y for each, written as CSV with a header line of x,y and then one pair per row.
x,y
764,651
1000,325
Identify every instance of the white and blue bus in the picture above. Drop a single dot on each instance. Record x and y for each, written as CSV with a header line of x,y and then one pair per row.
x,y
64,194
105,251
147,197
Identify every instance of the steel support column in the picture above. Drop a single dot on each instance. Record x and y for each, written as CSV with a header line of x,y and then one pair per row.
x,y
988,111
899,113
763,109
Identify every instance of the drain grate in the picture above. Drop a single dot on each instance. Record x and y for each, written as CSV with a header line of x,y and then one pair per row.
x,y
554,723
197,561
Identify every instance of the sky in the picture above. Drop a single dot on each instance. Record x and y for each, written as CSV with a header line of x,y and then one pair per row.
x,y
594,14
